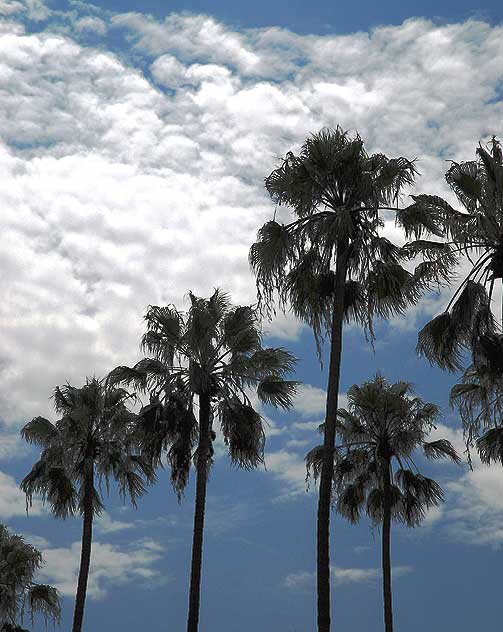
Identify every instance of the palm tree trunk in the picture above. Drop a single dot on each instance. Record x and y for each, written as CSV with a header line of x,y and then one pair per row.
x,y
197,541
327,469
386,552
85,553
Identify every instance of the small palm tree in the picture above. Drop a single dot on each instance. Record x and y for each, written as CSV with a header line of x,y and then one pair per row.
x,y
89,445
212,355
332,263
374,468
19,562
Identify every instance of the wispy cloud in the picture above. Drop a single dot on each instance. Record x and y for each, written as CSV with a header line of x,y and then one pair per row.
x,y
305,580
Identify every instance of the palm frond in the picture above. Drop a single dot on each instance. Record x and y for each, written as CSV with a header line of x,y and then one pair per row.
x,y
243,432
314,462
350,502
490,446
275,391
441,449
43,599
39,431
240,330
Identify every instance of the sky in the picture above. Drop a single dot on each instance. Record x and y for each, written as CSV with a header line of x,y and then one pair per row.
x,y
134,140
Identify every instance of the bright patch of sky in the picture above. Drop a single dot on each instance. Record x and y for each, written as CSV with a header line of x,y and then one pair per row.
x,y
133,150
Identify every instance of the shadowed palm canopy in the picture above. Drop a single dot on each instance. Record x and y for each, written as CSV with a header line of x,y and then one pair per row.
x,y
340,197
95,433
467,323
214,349
380,432
19,562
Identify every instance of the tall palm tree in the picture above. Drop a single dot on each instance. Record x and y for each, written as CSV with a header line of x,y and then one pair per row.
x,y
374,467
91,444
331,263
19,563
212,356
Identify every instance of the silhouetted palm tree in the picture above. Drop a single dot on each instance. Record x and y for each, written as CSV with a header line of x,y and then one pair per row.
x,y
91,443
19,563
332,263
467,323
213,353
374,467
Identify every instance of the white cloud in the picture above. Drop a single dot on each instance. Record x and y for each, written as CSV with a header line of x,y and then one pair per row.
x,y
310,400
90,23
12,446
8,7
305,580
289,468
110,565
12,499
106,524
118,193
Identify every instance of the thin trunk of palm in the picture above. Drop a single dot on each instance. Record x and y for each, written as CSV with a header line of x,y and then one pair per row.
x,y
85,554
327,469
386,552
197,541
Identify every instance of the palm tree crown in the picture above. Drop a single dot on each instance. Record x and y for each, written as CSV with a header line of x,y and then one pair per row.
x,y
467,323
338,193
216,350
382,428
95,433
19,562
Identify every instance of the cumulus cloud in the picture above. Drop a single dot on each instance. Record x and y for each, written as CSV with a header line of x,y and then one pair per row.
x,y
110,565
106,524
92,24
13,501
123,189
12,446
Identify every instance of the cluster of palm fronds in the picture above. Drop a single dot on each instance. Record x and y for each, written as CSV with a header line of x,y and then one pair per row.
x,y
203,368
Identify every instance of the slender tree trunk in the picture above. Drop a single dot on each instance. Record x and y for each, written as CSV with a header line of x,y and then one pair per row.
x,y
327,469
85,553
386,552
197,541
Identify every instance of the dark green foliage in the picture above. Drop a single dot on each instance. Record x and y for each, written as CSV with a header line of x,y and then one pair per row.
x,y
216,349
476,231
19,594
336,191
382,428
96,427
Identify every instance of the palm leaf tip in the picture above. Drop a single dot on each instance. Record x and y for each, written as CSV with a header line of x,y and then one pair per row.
x,y
243,431
441,449
44,599
277,392
490,446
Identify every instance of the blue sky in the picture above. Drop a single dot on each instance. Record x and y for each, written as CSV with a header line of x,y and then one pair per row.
x,y
134,139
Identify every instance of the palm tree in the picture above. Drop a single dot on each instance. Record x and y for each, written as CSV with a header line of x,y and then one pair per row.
x,y
331,263
19,562
374,467
467,323
89,445
213,353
